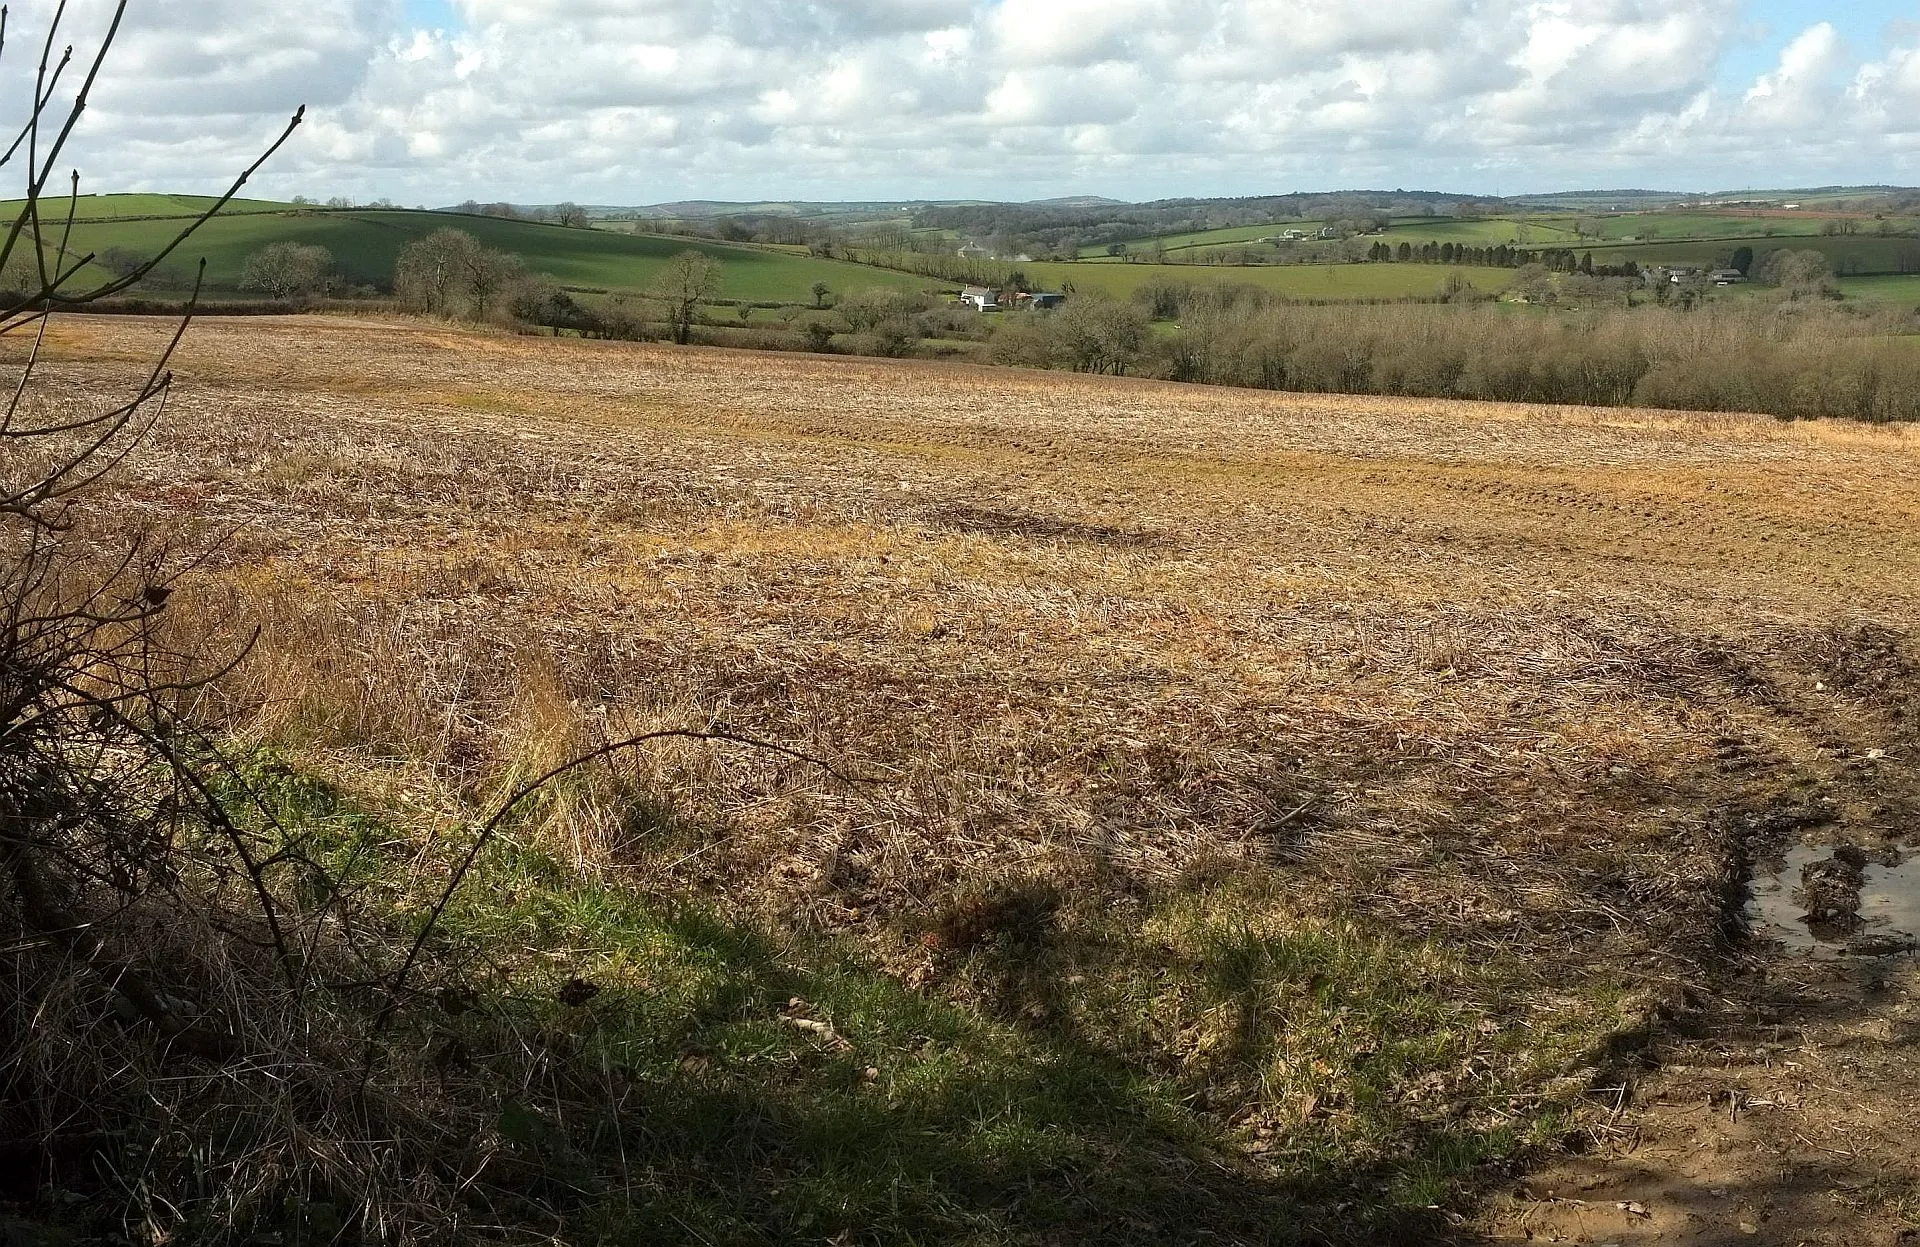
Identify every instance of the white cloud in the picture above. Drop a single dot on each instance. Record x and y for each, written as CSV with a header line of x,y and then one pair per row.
x,y
637,100
1801,91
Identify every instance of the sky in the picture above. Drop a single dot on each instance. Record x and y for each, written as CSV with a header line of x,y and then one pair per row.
x,y
641,101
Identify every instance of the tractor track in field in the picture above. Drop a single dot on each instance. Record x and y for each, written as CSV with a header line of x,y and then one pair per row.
x,y
1782,1107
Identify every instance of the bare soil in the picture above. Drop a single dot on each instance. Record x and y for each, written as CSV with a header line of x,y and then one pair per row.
x,y
1787,1117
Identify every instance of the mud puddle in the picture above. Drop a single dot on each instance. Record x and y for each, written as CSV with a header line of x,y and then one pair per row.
x,y
1838,900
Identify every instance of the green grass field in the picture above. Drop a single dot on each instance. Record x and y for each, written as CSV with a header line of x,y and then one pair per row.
x,y
1678,226
1211,237
365,245
1646,237
110,207
1902,288
1490,232
960,1116
1296,281
1858,255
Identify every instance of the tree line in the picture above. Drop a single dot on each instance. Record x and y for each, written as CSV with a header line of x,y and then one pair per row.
x,y
1796,353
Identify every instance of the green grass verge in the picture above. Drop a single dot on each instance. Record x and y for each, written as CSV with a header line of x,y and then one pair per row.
x,y
1210,1064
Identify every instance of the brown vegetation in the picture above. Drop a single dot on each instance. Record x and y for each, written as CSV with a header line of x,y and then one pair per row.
x,y
1793,357
1194,611
1461,673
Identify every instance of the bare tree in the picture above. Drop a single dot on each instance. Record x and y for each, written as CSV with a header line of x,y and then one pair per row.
x,y
689,279
571,215
286,269
435,273
487,274
1099,335
430,270
1799,274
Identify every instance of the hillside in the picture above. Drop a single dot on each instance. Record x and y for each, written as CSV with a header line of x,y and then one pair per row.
x,y
136,207
366,242
1238,810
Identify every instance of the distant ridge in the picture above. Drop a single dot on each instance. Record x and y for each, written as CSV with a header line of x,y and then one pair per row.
x,y
693,209
1750,192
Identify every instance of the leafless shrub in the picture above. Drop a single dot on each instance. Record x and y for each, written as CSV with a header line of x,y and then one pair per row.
x,y
174,969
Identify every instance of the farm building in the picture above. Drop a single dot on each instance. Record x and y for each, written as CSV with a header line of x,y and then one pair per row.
x,y
1047,302
980,299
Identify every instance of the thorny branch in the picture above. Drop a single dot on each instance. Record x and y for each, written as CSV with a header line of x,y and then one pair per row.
x,y
96,796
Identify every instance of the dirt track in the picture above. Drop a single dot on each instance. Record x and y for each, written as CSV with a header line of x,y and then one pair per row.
x,y
1547,679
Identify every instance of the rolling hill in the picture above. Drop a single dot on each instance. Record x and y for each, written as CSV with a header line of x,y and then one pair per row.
x,y
366,242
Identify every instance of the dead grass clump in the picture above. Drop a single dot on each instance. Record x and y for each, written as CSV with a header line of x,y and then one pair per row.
x,y
1016,911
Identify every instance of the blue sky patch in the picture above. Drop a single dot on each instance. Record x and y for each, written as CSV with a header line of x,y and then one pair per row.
x,y
432,15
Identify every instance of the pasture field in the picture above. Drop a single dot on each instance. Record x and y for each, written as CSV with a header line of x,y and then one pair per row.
x,y
1892,289
1482,233
1204,238
1254,817
365,244
1490,232
1704,238
1335,282
1656,226
110,207
1850,256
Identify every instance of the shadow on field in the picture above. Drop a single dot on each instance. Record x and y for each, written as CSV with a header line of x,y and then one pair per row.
x,y
832,1104
937,1126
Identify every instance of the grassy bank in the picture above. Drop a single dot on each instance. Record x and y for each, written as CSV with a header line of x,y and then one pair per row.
x,y
1214,1063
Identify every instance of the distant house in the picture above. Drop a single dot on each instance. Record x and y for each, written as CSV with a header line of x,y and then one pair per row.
x,y
1726,277
980,299
1671,274
974,251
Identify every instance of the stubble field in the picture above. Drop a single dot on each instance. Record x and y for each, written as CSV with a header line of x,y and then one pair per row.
x,y
1258,816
